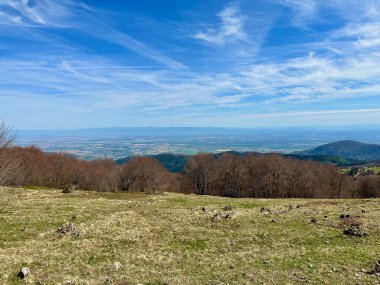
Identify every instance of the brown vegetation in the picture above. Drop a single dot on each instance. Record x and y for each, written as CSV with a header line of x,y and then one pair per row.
x,y
8,163
252,175
266,176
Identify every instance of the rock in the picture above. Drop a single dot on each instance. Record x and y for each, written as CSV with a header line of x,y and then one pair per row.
x,y
364,211
265,210
115,266
215,218
343,216
70,228
230,215
314,220
354,231
377,267
24,272
227,208
273,221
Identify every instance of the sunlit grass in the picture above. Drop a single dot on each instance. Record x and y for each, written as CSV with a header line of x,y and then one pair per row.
x,y
168,239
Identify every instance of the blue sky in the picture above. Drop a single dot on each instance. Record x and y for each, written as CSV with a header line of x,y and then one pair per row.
x,y
262,63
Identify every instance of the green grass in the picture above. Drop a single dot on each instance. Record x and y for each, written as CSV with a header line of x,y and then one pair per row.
x,y
363,170
168,239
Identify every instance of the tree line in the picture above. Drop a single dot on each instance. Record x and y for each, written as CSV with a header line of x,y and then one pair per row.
x,y
252,175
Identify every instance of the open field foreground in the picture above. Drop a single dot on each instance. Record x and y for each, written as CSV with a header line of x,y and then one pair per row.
x,y
121,238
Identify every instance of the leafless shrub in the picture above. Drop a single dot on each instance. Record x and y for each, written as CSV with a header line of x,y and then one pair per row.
x,y
8,162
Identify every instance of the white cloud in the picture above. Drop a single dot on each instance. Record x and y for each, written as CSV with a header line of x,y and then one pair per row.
x,y
366,35
304,10
74,15
95,85
231,28
36,13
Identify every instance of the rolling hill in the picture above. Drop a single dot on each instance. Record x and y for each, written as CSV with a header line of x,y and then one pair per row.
x,y
172,162
341,153
346,149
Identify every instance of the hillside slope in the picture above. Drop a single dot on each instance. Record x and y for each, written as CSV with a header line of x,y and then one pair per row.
x,y
130,238
172,162
346,149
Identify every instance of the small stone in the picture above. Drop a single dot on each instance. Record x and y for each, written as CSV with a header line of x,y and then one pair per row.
x,y
227,208
273,221
115,266
377,267
24,272
311,265
215,218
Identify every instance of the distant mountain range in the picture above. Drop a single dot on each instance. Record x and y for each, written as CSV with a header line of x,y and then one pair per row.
x,y
341,153
347,149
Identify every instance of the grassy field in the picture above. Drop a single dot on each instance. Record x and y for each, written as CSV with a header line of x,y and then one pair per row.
x,y
168,239
363,170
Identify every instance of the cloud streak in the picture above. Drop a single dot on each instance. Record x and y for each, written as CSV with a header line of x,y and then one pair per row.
x,y
46,64
231,28
67,14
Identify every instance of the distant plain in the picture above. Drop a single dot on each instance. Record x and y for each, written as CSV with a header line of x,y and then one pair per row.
x,y
122,142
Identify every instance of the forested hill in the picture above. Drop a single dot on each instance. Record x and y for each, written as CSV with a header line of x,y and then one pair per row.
x,y
348,150
341,153
172,162
176,162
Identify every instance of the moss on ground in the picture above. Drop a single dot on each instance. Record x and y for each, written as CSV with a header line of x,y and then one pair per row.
x,y
169,239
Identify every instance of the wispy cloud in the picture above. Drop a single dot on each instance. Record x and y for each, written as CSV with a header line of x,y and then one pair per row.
x,y
36,13
304,10
231,28
45,63
75,15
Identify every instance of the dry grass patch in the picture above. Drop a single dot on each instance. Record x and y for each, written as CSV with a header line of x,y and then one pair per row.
x,y
174,239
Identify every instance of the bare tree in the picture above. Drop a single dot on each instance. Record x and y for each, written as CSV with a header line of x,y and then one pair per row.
x,y
143,174
200,171
8,163
229,173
